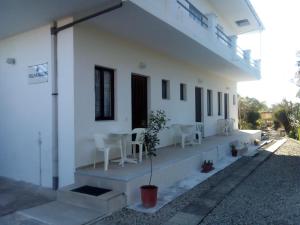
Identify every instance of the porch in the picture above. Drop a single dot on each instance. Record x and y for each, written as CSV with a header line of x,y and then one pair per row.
x,y
171,165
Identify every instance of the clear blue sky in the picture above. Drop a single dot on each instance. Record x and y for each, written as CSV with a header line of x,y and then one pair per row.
x,y
279,42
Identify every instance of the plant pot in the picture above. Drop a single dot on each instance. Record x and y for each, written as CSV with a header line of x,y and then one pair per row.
x,y
234,153
149,195
206,169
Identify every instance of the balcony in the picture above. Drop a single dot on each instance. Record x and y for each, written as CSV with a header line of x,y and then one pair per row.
x,y
209,23
181,31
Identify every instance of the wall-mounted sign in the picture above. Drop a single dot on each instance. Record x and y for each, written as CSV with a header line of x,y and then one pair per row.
x,y
38,73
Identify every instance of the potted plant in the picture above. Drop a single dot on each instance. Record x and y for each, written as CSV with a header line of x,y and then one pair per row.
x,y
256,142
207,166
233,150
157,122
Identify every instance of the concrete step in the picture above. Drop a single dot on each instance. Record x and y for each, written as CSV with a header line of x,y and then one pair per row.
x,y
59,213
107,203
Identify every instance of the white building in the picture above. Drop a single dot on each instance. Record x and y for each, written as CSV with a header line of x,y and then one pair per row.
x,y
176,55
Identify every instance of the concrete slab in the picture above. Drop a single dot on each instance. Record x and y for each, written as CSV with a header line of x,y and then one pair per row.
x,y
58,213
18,195
16,219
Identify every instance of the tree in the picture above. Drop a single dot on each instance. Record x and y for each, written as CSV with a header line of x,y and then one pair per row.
x,y
287,114
249,112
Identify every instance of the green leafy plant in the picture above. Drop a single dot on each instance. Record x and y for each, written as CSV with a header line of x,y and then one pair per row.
x,y
157,122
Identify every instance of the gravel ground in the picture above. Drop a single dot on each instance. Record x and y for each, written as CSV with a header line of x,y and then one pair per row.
x,y
268,196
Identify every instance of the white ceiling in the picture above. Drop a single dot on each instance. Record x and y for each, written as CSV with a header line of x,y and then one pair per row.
x,y
233,10
21,15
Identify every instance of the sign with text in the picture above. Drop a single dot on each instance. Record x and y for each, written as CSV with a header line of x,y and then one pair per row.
x,y
38,73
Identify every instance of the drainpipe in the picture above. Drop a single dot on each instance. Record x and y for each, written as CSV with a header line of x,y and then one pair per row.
x,y
54,111
54,31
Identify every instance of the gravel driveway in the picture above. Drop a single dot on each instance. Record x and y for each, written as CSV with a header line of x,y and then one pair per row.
x,y
270,195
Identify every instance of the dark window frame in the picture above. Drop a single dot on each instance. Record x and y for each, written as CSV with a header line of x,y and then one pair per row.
x,y
99,115
209,102
165,89
183,92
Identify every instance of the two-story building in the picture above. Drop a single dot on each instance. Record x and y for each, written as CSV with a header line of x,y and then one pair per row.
x,y
69,70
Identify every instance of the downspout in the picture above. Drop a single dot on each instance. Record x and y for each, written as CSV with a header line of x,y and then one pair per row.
x,y
54,31
54,111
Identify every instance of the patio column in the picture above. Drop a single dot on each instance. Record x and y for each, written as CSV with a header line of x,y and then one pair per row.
x,y
257,63
247,55
233,40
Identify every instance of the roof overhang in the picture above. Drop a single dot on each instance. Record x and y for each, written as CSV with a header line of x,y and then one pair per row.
x,y
17,16
238,10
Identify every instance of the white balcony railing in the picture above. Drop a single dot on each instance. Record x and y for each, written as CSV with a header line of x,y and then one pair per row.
x,y
228,41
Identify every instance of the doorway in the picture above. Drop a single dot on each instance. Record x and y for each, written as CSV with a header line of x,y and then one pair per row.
x,y
139,101
198,104
226,110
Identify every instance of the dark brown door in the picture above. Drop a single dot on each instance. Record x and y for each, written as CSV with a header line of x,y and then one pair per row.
x,y
198,104
226,99
139,101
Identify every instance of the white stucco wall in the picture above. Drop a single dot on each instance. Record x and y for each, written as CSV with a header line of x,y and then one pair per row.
x,y
25,108
93,47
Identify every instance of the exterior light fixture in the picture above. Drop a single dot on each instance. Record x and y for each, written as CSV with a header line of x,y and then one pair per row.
x,y
200,81
142,65
11,61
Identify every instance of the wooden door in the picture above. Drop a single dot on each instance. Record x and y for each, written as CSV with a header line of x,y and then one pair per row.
x,y
139,98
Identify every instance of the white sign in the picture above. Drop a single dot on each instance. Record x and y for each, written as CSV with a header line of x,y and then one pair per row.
x,y
38,73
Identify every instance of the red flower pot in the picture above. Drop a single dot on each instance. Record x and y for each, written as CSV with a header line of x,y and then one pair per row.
x,y
207,168
234,153
149,195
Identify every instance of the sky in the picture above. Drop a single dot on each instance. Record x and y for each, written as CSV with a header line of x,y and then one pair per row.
x,y
279,42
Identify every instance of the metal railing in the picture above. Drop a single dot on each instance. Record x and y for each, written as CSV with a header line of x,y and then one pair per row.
x,y
195,13
239,52
220,34
223,37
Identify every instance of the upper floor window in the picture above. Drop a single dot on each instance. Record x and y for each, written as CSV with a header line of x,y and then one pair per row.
x,y
183,95
209,103
165,89
104,93
220,103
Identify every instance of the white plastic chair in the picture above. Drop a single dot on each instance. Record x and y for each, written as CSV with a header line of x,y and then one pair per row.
x,y
176,133
105,144
187,133
199,131
139,140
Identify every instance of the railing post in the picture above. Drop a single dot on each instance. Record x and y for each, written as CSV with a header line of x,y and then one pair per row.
x,y
257,63
233,40
171,8
247,55
212,24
